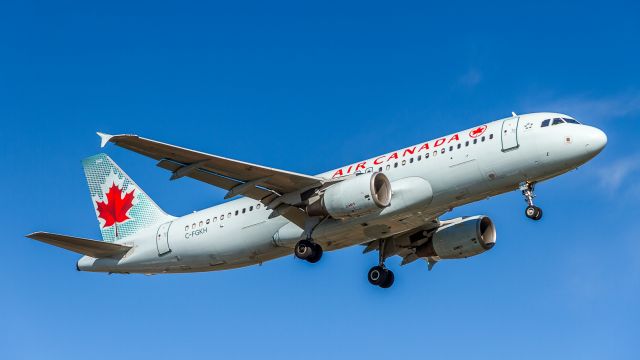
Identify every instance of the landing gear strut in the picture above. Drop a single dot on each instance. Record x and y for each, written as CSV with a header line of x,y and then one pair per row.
x,y
308,250
532,212
379,275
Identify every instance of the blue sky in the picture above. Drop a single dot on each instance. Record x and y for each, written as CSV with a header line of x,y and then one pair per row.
x,y
309,87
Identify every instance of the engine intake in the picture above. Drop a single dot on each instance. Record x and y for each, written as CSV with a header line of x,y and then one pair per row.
x,y
468,237
353,197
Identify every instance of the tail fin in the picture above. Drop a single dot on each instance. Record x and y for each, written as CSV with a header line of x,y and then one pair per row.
x,y
122,208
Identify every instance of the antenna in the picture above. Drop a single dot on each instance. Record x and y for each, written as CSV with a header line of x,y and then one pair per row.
x,y
514,114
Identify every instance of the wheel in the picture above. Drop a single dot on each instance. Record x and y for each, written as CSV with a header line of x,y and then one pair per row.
x,y
389,281
533,212
539,216
316,253
303,249
377,275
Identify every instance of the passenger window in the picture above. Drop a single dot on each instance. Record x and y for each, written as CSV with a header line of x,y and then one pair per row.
x,y
475,141
420,157
442,150
466,143
410,160
395,165
490,136
388,167
258,207
208,221
193,226
228,215
186,228
244,210
459,146
380,169
435,153
236,212
483,139
545,123
221,217
404,162
215,218
251,208
557,121
426,156
450,148
201,223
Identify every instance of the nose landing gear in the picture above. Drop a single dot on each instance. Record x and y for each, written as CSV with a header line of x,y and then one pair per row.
x,y
532,212
379,275
308,250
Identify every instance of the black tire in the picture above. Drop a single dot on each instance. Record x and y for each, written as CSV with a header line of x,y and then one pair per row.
x,y
389,281
316,255
533,212
377,275
303,249
539,215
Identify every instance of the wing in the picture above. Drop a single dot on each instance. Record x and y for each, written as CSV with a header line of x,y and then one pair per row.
x,y
93,248
405,244
261,183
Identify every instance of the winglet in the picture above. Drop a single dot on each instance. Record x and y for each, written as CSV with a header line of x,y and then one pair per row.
x,y
104,138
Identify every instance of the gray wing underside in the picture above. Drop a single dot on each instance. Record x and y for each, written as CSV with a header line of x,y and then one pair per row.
x,y
404,244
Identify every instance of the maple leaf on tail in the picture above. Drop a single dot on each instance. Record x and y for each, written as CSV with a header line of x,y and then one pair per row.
x,y
114,209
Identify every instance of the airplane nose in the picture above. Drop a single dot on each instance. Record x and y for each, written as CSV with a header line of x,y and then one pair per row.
x,y
596,141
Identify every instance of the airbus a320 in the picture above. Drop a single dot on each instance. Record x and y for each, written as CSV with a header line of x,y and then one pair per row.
x,y
391,203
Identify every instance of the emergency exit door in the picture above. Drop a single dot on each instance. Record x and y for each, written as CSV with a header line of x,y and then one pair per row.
x,y
162,239
510,133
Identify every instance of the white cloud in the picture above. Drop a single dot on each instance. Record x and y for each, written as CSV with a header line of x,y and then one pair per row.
x,y
592,109
613,175
471,78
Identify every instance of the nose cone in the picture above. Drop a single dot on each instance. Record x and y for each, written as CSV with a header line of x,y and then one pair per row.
x,y
596,140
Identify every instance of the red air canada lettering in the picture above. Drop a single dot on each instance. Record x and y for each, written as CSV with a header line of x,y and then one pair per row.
x,y
361,166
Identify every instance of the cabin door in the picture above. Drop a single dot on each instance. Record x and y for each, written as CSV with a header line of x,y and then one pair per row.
x,y
162,239
510,133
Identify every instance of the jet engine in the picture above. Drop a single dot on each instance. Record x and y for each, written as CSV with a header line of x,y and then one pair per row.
x,y
462,239
357,196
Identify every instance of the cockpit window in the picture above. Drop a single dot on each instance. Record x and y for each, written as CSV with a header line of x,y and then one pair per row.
x,y
557,121
545,123
571,121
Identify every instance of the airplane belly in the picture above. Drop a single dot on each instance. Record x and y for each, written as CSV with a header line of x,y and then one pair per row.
x,y
410,204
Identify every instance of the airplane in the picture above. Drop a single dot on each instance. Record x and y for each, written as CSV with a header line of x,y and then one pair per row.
x,y
391,203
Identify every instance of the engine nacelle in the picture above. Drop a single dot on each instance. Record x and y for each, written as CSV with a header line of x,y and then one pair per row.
x,y
468,237
360,195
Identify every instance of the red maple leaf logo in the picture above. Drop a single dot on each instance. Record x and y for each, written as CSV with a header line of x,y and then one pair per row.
x,y
114,209
477,132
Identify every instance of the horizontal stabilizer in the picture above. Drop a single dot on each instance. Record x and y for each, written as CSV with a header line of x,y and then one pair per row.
x,y
93,248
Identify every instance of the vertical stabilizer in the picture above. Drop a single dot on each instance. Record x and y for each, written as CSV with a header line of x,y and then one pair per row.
x,y
122,208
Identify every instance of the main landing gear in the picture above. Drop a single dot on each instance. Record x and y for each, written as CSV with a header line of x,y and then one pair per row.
x,y
532,212
379,275
308,250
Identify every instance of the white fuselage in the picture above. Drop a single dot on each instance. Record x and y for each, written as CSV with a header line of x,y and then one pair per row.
x,y
427,180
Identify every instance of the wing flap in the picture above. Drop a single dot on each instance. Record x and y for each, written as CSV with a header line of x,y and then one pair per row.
x,y
93,248
214,179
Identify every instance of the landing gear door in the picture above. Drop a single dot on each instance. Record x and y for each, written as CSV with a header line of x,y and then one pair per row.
x,y
510,133
162,239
